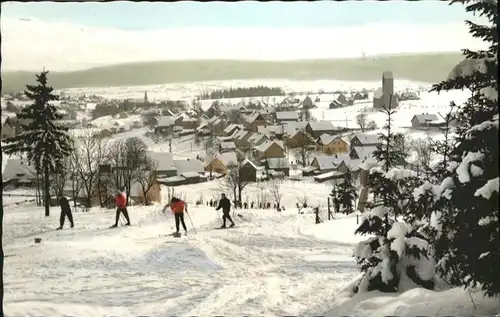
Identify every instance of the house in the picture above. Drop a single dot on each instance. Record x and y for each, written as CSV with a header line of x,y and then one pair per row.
x,y
385,95
189,123
241,139
360,96
350,165
188,166
335,105
254,120
178,121
342,99
298,140
221,162
362,139
422,121
362,152
153,193
217,126
286,116
105,133
18,173
330,144
227,146
165,126
203,130
231,128
270,149
316,129
257,139
278,164
327,163
163,163
248,171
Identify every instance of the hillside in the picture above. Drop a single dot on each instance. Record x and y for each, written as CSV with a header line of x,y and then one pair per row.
x,y
418,67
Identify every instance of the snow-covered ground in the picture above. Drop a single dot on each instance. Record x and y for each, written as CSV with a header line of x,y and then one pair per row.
x,y
271,264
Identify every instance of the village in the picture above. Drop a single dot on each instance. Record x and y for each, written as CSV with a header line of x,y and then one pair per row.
x,y
261,142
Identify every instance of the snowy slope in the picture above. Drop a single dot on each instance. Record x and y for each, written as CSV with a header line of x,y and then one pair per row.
x,y
271,264
267,265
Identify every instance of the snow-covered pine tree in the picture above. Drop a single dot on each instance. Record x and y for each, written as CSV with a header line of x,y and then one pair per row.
x,y
347,193
397,252
466,202
43,139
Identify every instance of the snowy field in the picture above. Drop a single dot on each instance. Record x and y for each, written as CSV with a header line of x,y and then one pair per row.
x,y
271,264
188,91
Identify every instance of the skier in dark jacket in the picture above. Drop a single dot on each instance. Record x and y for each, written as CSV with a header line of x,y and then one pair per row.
x,y
225,204
65,212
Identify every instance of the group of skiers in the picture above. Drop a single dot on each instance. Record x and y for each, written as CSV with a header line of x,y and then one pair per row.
x,y
120,203
177,206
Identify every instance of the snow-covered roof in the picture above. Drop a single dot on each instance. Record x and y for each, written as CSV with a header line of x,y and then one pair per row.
x,y
321,126
330,161
378,93
331,174
164,161
287,115
367,138
364,152
231,127
165,121
190,175
227,145
228,158
264,146
256,137
247,161
425,118
326,139
190,165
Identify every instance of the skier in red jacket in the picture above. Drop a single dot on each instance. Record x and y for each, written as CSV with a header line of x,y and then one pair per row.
x,y
178,207
121,207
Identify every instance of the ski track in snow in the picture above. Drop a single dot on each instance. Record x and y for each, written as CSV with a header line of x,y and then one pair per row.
x,y
266,265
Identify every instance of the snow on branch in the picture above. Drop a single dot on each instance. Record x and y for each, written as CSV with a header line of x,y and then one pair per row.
x,y
463,168
488,189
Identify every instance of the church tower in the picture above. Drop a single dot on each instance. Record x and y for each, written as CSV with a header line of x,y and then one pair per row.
x,y
388,88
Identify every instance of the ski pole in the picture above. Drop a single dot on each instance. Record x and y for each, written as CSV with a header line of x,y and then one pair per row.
x,y
218,215
190,220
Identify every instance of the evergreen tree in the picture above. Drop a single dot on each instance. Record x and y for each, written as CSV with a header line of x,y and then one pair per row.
x,y
347,193
466,200
43,139
397,249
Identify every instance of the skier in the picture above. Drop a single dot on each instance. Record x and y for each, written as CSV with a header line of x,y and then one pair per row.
x,y
121,207
245,205
65,212
225,204
178,207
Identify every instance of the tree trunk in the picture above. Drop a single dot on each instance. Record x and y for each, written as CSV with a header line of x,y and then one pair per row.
x,y
46,189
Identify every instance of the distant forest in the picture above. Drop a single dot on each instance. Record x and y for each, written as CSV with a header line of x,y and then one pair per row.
x,y
243,92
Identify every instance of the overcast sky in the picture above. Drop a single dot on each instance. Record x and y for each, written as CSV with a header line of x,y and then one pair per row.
x,y
66,36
